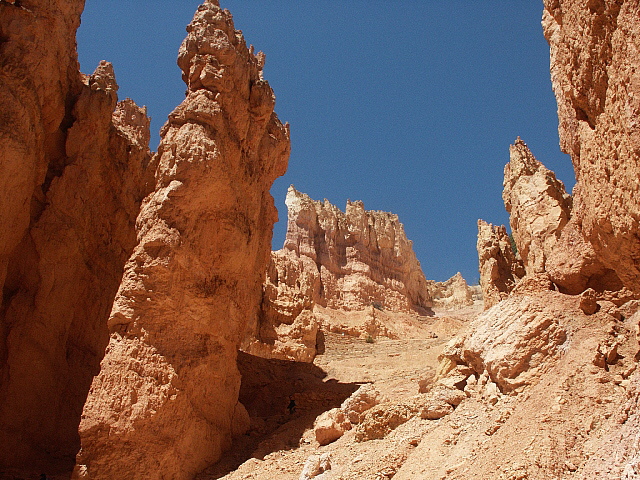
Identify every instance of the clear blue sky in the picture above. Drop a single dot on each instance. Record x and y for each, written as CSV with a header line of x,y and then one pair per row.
x,y
409,106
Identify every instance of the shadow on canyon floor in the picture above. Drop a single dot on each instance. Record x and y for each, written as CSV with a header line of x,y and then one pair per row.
x,y
266,391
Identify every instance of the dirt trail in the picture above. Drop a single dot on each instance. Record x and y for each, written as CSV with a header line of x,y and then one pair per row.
x,y
279,443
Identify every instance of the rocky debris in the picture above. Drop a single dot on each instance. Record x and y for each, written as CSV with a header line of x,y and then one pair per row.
x,y
166,400
315,466
453,294
538,206
438,401
333,423
499,264
330,426
514,341
382,419
74,167
594,76
360,401
588,302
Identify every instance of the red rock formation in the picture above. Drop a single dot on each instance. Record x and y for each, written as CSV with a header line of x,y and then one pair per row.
x,y
362,256
72,177
453,294
548,239
166,400
500,266
538,206
347,261
594,57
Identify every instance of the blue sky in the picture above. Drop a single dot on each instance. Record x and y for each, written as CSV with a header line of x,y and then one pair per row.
x,y
409,106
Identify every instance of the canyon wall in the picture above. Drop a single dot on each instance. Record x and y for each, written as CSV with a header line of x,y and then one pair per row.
x,y
500,266
165,403
362,256
72,175
349,261
594,55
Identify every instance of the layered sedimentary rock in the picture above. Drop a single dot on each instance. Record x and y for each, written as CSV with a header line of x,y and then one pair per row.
x,y
350,260
72,175
594,60
538,205
362,257
499,265
165,403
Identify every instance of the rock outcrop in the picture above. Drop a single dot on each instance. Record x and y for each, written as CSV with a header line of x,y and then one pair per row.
x,y
499,265
72,175
363,257
538,206
349,261
512,342
165,403
547,238
594,57
454,294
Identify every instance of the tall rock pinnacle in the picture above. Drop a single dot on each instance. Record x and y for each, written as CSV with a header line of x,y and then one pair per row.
x,y
166,399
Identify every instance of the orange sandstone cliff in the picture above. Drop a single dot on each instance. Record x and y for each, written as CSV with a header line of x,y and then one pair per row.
x,y
72,175
165,403
594,73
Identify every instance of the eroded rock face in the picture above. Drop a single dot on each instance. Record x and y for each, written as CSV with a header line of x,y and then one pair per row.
x,y
362,257
453,294
349,261
500,267
594,57
72,175
574,266
538,206
166,400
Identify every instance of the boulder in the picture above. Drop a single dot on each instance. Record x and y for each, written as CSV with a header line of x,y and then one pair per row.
x,y
330,426
360,401
513,342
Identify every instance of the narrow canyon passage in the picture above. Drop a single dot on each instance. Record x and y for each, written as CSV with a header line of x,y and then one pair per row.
x,y
278,443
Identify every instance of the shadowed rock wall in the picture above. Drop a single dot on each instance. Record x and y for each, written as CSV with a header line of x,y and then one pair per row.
x,y
72,176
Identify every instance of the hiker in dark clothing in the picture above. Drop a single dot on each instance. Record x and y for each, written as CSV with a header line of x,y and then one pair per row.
x,y
292,405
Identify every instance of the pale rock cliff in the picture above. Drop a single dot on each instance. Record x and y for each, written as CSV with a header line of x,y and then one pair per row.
x,y
499,265
454,293
538,206
547,237
72,175
349,261
595,77
362,257
165,403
